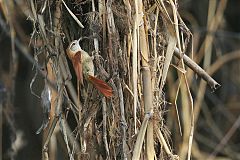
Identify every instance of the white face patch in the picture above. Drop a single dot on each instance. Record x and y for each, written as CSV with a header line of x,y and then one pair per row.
x,y
75,46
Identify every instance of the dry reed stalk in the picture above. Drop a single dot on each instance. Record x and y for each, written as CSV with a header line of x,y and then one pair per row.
x,y
198,70
147,82
154,72
134,64
147,89
140,138
192,123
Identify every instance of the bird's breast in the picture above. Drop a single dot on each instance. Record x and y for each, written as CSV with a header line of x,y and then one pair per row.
x,y
88,67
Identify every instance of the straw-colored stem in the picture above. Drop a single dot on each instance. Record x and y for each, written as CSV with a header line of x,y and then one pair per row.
x,y
147,82
134,66
104,112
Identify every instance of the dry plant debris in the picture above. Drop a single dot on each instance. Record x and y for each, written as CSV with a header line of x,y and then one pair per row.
x,y
133,44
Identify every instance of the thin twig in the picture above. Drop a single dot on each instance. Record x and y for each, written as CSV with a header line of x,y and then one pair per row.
x,y
123,120
162,140
192,118
73,16
104,110
197,69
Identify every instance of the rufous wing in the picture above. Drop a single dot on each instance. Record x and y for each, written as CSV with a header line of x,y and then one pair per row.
x,y
102,86
77,65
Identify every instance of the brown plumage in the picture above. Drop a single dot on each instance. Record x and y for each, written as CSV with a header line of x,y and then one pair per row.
x,y
77,65
102,86
84,68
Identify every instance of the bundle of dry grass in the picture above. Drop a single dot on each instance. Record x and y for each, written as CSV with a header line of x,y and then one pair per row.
x,y
133,44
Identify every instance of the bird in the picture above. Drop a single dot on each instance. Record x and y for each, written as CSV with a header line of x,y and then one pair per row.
x,y
84,68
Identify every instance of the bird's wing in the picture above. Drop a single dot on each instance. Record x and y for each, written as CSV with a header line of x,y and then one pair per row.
x,y
77,65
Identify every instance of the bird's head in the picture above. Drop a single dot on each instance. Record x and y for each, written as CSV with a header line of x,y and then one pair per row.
x,y
73,48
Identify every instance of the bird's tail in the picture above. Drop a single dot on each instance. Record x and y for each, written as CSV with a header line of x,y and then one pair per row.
x,y
102,86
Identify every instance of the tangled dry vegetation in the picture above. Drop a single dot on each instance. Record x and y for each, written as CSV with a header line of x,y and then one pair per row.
x,y
135,44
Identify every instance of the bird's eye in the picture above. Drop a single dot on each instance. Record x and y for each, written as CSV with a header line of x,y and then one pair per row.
x,y
72,45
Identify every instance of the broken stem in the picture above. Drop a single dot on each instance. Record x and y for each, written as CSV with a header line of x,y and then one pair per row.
x,y
197,69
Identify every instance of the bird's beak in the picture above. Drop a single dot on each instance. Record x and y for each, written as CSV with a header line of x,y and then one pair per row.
x,y
79,44
78,40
